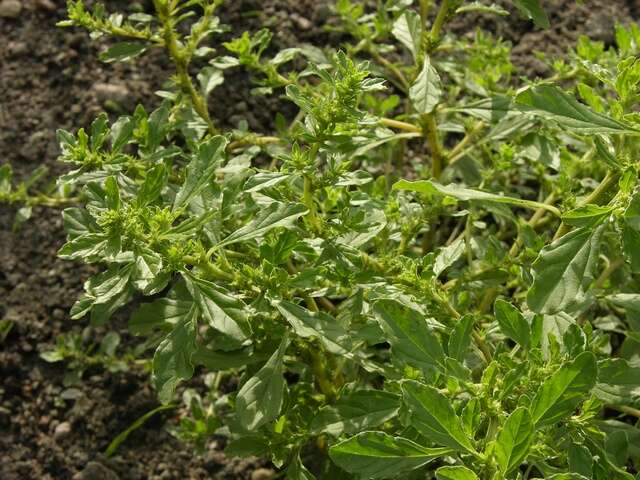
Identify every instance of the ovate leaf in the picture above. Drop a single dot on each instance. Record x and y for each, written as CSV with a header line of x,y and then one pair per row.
x,y
160,313
512,323
225,313
297,471
448,256
361,410
561,393
432,414
410,336
378,455
455,473
320,325
408,30
618,382
514,439
122,52
532,10
554,104
587,216
200,170
482,8
275,215
260,399
429,187
172,360
152,185
425,93
460,338
564,270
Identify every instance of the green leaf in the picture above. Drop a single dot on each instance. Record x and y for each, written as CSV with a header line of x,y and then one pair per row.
x,y
448,255
122,52
216,360
408,30
425,93
512,323
631,232
209,78
532,10
587,216
514,440
78,221
554,104
618,382
219,308
200,170
112,193
568,476
153,184
172,360
482,8
160,313
429,187
148,276
631,247
432,414
564,270
275,215
411,338
561,393
378,455
580,460
606,153
104,294
121,132
361,410
460,338
297,471
88,247
6,174
308,324
455,473
260,399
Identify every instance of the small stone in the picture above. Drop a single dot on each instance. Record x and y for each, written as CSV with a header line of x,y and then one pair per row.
x,y
96,471
301,22
10,8
16,49
321,13
262,474
47,5
62,431
111,91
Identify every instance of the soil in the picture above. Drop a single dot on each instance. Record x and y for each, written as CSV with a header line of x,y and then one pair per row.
x,y
50,78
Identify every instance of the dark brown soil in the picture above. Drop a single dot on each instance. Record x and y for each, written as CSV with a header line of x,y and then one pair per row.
x,y
49,79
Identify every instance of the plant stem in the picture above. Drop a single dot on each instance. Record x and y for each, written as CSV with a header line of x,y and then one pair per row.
x,y
433,140
403,83
436,28
595,198
209,268
515,248
253,140
634,412
307,199
389,122
179,57
479,341
607,272
318,364
468,138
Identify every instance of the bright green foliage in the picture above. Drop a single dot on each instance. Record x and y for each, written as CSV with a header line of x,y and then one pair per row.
x,y
447,293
